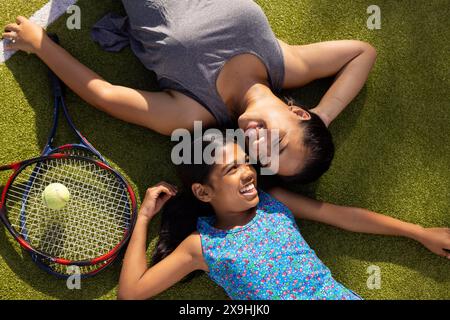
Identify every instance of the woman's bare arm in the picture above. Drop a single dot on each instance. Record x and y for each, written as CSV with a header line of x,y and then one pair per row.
x,y
350,60
159,111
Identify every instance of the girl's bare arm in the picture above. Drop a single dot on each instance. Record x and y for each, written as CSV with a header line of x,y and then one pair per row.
x,y
137,281
361,220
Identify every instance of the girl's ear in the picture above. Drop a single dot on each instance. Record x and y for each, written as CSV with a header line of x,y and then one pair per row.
x,y
301,113
201,192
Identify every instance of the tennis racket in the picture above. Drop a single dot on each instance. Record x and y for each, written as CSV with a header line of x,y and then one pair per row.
x,y
63,271
91,229
81,148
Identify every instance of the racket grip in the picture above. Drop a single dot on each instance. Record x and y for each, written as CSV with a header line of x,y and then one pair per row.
x,y
55,82
13,166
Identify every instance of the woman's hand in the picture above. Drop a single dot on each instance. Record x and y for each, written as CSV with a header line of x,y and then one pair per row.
x,y
155,198
437,240
24,35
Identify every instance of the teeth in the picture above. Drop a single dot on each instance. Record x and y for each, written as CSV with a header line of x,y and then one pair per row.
x,y
251,133
248,188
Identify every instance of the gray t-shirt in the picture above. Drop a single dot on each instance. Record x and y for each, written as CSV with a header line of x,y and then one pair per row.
x,y
187,42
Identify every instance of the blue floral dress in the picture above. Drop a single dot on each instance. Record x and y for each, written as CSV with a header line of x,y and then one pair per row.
x,y
267,258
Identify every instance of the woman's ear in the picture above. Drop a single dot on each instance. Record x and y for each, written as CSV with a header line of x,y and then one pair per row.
x,y
301,113
201,192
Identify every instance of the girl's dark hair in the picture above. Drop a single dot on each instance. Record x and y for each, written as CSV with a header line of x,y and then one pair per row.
x,y
319,146
180,214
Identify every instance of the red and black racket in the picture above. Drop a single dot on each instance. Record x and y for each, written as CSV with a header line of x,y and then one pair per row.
x,y
27,200
81,148
93,226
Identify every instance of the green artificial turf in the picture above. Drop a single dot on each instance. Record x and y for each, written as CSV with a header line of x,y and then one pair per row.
x,y
393,142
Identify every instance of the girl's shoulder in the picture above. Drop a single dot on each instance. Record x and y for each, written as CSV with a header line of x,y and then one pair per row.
x,y
193,242
270,204
273,194
269,199
193,245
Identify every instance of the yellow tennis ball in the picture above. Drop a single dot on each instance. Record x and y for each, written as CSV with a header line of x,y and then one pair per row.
x,y
55,196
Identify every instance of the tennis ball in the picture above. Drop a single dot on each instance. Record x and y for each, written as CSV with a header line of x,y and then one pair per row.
x,y
55,196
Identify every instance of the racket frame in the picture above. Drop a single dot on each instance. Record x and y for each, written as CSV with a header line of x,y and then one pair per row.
x,y
59,105
83,145
18,167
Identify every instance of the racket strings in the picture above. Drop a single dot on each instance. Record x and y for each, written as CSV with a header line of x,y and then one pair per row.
x,y
103,204
54,241
107,214
86,185
95,230
91,224
84,270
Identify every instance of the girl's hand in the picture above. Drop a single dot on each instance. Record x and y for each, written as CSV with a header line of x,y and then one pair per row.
x,y
155,198
24,35
437,240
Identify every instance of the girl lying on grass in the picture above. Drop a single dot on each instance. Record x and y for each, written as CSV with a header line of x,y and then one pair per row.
x,y
245,239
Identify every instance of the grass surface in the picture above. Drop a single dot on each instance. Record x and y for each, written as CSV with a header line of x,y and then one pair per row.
x,y
393,142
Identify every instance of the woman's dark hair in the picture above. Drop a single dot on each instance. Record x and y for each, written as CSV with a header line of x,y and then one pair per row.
x,y
180,214
319,146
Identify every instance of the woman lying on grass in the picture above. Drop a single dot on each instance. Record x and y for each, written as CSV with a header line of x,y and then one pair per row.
x,y
245,239
220,63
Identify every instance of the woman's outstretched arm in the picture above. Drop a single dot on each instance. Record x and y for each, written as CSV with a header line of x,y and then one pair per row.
x,y
349,60
159,111
353,219
137,281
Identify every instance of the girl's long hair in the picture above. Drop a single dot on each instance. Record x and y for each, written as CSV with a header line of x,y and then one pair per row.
x,y
180,214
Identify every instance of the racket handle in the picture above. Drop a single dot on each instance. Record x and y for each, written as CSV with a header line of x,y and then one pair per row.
x,y
57,85
13,166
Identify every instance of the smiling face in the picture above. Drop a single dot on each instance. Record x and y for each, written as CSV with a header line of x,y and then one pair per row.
x,y
232,183
286,119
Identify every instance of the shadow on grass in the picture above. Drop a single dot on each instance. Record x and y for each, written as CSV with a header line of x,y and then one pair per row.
x,y
30,273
